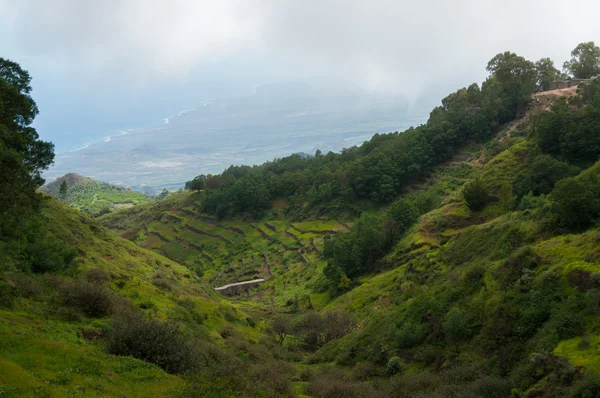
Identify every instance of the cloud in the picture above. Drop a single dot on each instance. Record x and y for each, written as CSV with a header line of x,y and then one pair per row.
x,y
381,45
144,39
404,44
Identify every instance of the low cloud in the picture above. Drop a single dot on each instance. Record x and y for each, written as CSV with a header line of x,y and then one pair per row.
x,y
380,45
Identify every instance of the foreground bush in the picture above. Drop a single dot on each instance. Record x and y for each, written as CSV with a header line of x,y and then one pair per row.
x,y
333,383
161,343
91,299
222,374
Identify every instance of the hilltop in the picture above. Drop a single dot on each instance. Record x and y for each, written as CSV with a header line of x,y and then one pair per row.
x,y
93,196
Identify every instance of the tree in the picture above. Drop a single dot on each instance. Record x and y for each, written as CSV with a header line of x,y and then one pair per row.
x,y
541,175
517,79
475,195
62,192
575,202
163,194
22,155
584,62
547,73
197,184
404,213
281,327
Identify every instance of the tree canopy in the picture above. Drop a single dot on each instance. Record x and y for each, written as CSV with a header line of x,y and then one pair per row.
x,y
23,156
584,62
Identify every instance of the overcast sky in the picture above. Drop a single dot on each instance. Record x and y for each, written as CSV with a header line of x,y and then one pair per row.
x,y
100,66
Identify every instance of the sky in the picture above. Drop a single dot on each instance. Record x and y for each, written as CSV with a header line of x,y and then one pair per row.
x,y
99,67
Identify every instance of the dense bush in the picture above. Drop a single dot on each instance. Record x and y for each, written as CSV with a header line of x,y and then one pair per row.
x,y
315,329
161,343
333,383
90,298
541,176
355,252
524,258
222,374
475,195
456,325
575,202
587,388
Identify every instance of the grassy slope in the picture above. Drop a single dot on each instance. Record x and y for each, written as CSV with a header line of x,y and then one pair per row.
x,y
443,249
42,352
92,196
231,250
438,254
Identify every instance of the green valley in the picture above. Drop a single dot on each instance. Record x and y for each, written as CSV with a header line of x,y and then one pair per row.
x,y
459,258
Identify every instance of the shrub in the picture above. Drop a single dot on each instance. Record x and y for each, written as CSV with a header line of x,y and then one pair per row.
x,y
589,387
567,321
96,275
28,285
404,213
531,202
273,377
409,386
575,204
220,374
541,175
456,326
515,265
160,281
50,256
491,387
281,328
365,371
90,298
7,294
336,325
317,330
475,195
161,343
394,365
333,383
410,334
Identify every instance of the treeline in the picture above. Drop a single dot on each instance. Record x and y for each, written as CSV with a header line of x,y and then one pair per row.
x,y
379,169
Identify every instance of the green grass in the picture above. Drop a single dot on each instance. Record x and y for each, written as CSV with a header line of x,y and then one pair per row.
x,y
47,357
580,353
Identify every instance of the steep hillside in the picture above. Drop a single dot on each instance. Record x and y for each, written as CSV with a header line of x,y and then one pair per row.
x,y
55,328
495,301
93,196
456,259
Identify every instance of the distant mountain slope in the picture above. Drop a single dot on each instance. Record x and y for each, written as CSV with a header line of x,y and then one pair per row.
x,y
93,196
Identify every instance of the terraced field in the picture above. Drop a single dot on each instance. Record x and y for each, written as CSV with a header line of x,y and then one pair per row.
x,y
227,251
